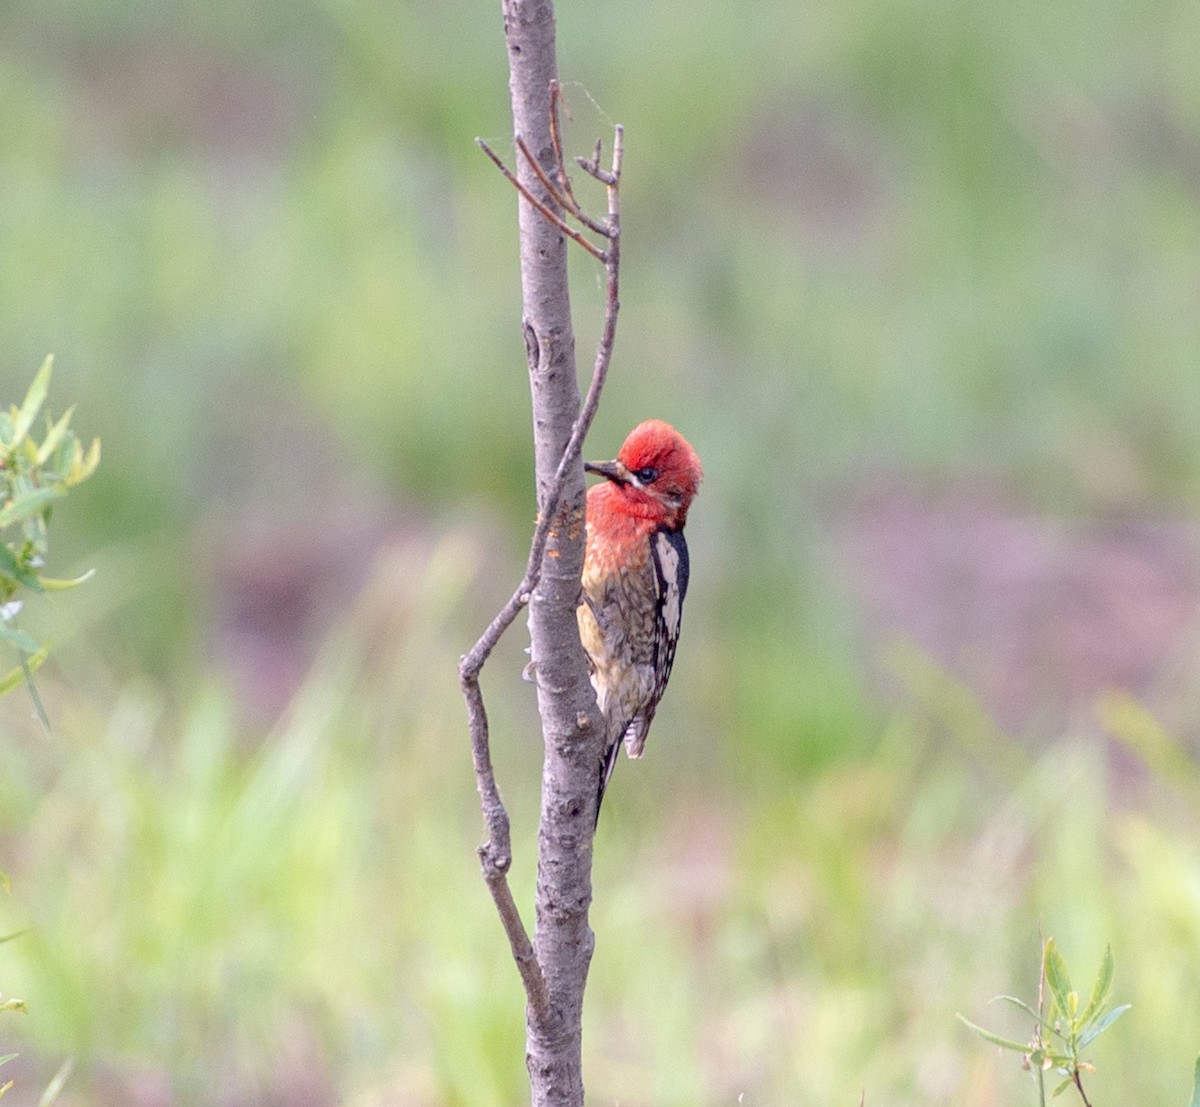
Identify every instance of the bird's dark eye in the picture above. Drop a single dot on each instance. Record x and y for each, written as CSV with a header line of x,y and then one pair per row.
x,y
647,475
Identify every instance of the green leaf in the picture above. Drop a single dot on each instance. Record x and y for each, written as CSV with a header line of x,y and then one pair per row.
x,y
1055,969
1061,1088
1196,1085
34,398
11,679
19,638
51,584
39,708
7,1057
1026,1008
84,465
995,1039
17,675
32,503
11,566
54,436
14,934
1101,989
1092,1034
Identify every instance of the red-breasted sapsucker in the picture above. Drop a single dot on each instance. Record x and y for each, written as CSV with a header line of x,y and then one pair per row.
x,y
635,576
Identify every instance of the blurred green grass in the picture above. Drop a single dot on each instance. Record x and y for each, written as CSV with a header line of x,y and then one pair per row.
x,y
874,237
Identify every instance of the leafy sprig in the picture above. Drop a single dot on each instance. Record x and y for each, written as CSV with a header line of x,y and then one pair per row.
x,y
1063,1029
33,476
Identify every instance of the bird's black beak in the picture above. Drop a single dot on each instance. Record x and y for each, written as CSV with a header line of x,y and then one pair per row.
x,y
614,471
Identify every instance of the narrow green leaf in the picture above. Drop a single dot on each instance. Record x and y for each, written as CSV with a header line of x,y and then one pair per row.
x,y
1055,969
1090,1035
16,675
995,1039
11,679
1061,1088
19,639
1196,1085
39,708
1026,1008
7,1057
85,464
1101,989
14,934
32,503
34,398
10,565
54,436
51,584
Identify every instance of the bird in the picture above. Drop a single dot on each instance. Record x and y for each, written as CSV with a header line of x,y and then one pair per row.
x,y
635,578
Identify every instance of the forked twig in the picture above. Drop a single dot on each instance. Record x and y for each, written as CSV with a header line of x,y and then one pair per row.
x,y
546,212
564,199
561,194
495,854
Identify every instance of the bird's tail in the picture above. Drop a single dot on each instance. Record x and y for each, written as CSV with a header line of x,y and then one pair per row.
x,y
607,763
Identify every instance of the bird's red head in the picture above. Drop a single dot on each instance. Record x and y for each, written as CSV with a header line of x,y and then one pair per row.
x,y
655,476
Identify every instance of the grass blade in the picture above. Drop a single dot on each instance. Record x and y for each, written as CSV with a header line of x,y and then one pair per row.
x,y
55,1087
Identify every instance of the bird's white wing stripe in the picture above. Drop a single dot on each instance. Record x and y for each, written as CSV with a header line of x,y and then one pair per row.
x,y
672,600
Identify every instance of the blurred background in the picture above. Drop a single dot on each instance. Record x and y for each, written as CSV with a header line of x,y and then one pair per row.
x,y
920,281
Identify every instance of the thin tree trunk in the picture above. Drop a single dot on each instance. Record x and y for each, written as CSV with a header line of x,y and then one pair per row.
x,y
563,940
554,966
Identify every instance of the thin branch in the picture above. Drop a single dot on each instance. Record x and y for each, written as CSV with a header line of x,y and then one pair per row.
x,y
557,100
546,213
565,201
592,165
540,173
495,854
